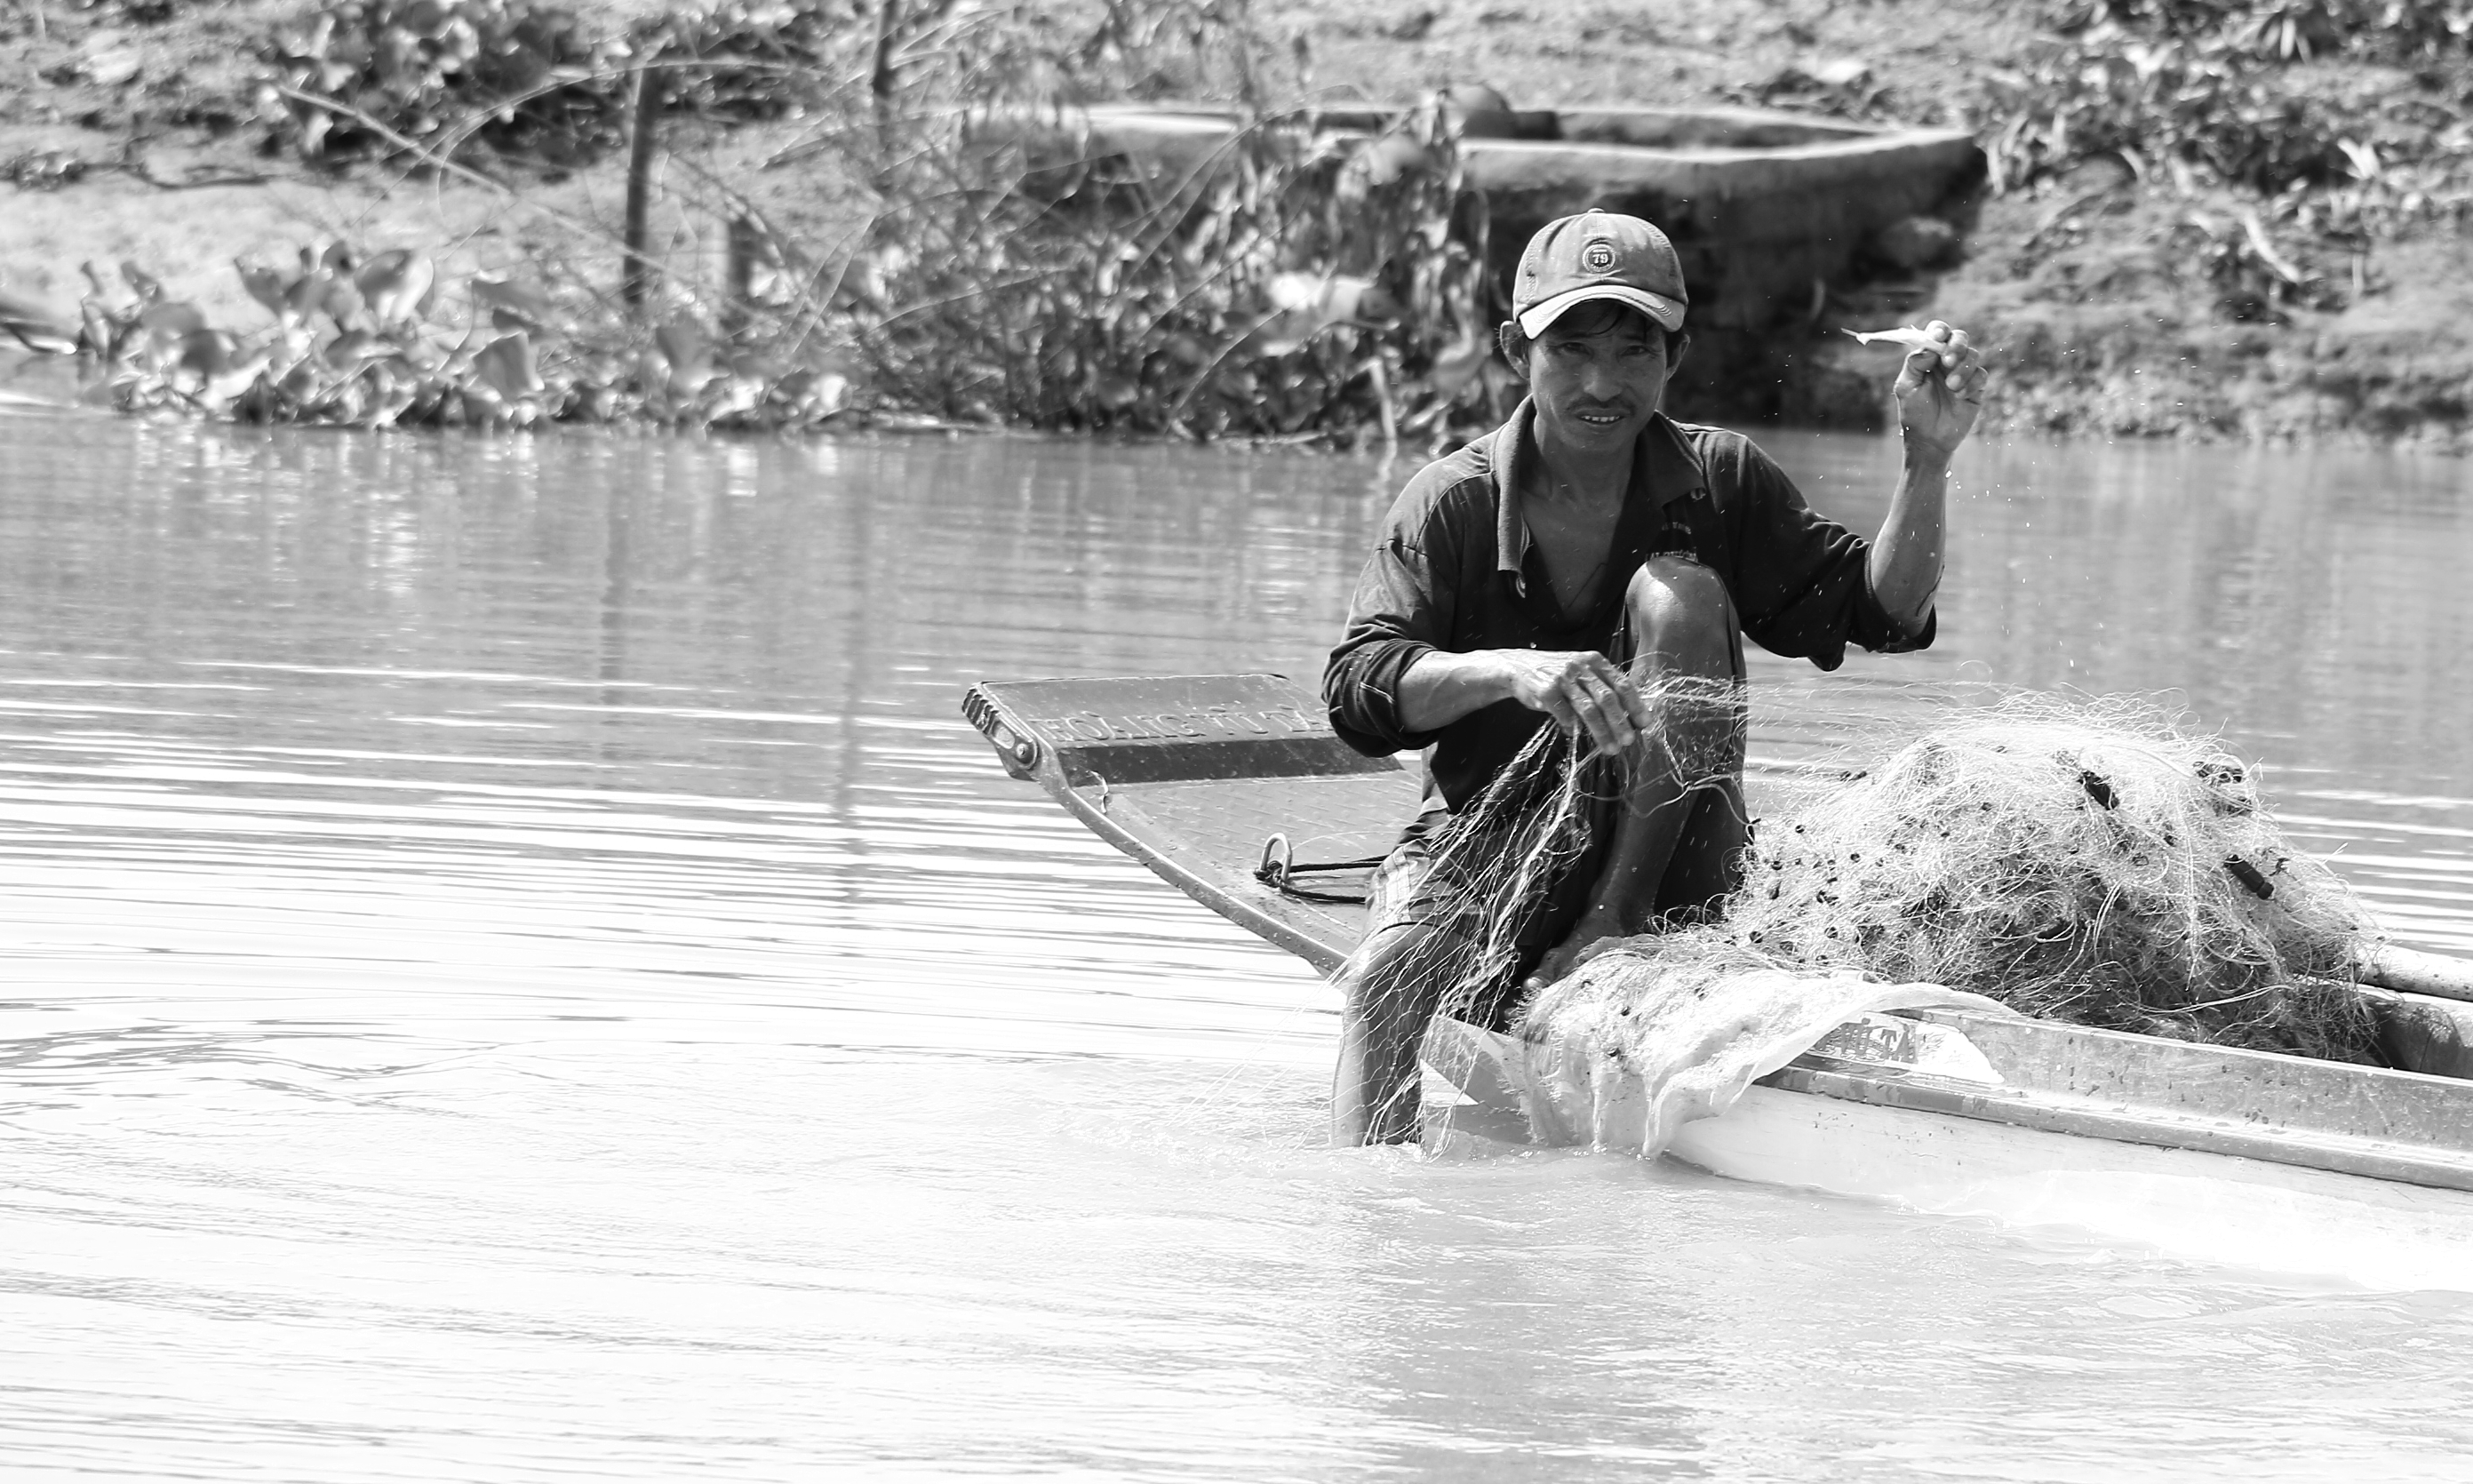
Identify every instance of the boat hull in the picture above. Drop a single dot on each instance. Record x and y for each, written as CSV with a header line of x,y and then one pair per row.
x,y
2354,1174
2182,1203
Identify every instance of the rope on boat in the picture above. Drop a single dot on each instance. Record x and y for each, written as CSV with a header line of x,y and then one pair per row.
x,y
1279,868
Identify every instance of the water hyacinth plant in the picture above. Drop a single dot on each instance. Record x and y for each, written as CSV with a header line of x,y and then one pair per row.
x,y
368,344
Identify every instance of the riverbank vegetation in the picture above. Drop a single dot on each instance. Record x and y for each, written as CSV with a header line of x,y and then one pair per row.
x,y
951,253
2220,218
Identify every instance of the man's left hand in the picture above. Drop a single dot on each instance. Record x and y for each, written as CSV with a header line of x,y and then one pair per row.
x,y
1940,389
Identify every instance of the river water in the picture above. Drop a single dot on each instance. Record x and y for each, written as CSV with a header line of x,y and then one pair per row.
x,y
517,969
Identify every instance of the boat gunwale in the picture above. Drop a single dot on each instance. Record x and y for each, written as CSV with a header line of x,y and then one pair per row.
x,y
1885,145
1344,120
1321,956
2059,1113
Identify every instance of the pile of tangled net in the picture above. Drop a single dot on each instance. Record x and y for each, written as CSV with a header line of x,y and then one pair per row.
x,y
2082,863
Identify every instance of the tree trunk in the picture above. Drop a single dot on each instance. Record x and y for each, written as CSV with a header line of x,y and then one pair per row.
x,y
635,281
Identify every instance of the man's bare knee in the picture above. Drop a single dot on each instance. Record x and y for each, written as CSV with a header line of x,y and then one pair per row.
x,y
1681,617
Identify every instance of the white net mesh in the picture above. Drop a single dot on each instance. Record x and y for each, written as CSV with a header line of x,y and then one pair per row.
x,y
2081,861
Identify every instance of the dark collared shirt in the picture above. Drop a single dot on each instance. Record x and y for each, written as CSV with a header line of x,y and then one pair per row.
x,y
1454,569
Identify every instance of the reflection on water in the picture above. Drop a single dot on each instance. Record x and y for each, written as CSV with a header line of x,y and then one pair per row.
x,y
519,970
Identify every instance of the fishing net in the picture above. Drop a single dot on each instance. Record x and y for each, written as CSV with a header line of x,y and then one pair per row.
x,y
2081,862
1491,874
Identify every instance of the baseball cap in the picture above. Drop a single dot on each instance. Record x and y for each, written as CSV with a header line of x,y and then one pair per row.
x,y
1598,254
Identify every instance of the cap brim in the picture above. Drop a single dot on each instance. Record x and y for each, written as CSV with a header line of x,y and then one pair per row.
x,y
1665,311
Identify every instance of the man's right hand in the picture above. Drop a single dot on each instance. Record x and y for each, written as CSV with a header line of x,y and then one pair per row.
x,y
1582,691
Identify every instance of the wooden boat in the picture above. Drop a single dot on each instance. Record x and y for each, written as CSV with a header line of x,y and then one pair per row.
x,y
1767,208
1234,789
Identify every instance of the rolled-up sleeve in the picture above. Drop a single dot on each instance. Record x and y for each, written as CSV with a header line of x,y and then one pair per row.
x,y
1399,614
1803,586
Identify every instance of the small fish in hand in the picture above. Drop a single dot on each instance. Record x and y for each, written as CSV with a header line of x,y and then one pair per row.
x,y
1930,390
1912,339
1905,335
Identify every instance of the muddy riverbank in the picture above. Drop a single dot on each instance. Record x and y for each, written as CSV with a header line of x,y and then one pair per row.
x,y
2122,294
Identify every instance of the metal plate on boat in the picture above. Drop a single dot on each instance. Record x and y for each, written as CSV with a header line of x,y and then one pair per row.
x,y
1175,728
1892,1045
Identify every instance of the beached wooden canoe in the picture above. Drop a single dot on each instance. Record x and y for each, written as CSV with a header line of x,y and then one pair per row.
x,y
1770,210
1234,789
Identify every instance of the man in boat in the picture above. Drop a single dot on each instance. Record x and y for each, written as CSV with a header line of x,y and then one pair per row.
x,y
1586,563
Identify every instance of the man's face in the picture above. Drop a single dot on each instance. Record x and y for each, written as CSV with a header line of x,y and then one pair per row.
x,y
1596,378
